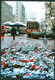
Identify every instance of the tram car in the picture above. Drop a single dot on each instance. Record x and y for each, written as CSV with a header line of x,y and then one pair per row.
x,y
32,26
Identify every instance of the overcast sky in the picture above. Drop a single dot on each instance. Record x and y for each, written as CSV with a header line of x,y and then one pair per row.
x,y
32,6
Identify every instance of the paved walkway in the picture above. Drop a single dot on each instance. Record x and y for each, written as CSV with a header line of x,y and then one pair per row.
x,y
21,38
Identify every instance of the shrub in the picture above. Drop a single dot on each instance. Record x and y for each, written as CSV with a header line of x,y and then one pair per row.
x,y
36,34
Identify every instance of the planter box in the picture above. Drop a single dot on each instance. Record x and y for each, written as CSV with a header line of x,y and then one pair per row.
x,y
41,34
49,36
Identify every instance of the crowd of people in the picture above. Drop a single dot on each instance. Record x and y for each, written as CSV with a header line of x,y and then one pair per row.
x,y
13,32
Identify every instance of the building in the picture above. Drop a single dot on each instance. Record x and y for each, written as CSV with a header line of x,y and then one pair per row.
x,y
32,16
26,19
50,12
53,9
6,13
20,12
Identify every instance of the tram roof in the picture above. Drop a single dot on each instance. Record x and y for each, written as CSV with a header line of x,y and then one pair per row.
x,y
31,21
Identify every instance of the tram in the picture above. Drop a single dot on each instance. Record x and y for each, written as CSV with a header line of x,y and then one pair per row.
x,y
32,26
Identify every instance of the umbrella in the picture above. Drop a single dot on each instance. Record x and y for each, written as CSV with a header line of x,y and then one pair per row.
x,y
24,24
8,23
18,24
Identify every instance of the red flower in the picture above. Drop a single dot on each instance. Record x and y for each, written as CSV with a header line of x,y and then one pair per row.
x,y
43,69
1,60
53,48
22,43
24,60
52,56
14,51
21,60
29,31
39,44
4,64
24,30
38,68
12,59
6,52
32,60
27,74
39,77
29,56
49,46
41,30
16,65
45,53
47,63
33,66
13,45
36,51
34,30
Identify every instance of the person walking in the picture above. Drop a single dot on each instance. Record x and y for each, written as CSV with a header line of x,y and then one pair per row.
x,y
13,32
2,32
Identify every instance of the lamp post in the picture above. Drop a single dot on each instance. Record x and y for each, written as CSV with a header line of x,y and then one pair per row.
x,y
50,10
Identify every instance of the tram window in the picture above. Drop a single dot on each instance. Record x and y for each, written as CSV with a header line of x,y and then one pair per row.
x,y
37,26
31,25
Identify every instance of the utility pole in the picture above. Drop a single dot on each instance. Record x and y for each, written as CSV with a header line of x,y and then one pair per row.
x,y
50,10
50,13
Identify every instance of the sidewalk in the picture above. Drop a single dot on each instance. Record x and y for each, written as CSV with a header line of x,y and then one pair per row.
x,y
8,39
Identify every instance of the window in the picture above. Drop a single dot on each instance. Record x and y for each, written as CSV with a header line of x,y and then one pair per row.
x,y
31,25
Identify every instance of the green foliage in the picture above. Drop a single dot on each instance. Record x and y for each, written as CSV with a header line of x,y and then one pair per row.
x,y
38,33
42,33
50,33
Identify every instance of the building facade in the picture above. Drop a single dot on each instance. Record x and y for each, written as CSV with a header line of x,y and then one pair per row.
x,y
6,13
20,12
32,16
26,19
50,12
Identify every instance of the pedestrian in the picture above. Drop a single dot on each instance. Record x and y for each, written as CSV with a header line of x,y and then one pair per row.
x,y
2,32
45,42
13,32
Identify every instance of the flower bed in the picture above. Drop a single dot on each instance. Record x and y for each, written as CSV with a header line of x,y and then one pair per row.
x,y
35,34
50,34
27,61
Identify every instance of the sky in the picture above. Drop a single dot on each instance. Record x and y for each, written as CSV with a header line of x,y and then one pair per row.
x,y
32,6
